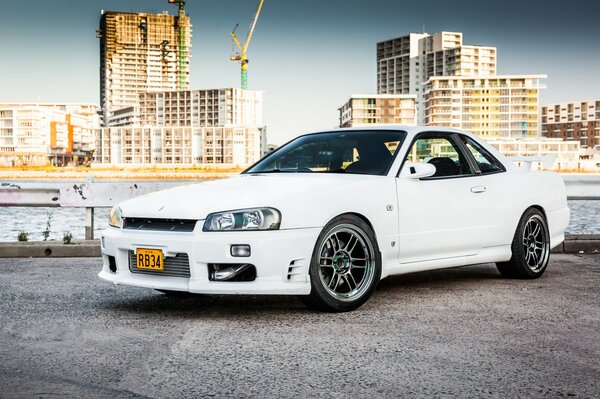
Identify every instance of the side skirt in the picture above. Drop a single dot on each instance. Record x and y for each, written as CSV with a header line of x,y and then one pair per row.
x,y
500,253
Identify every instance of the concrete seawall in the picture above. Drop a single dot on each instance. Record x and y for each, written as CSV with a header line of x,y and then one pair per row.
x,y
53,249
574,243
582,186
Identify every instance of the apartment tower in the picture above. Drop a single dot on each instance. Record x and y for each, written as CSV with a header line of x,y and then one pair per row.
x,y
140,52
405,64
577,120
490,107
46,133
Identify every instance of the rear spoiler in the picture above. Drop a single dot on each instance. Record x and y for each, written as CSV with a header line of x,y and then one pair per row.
x,y
547,161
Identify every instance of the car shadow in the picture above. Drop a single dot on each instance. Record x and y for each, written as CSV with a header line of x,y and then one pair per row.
x,y
144,301
199,305
443,278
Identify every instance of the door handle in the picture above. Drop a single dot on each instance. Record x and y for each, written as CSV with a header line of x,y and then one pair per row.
x,y
479,189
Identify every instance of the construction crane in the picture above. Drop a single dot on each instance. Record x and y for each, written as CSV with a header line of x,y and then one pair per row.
x,y
242,55
181,29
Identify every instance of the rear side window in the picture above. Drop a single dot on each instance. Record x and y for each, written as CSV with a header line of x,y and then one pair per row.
x,y
486,162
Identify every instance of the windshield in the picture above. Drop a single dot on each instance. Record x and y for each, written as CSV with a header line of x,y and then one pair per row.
x,y
368,152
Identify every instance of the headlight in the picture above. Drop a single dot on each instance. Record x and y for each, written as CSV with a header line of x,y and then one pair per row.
x,y
243,219
114,217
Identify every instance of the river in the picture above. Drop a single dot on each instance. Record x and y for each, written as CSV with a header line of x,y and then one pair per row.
x,y
585,219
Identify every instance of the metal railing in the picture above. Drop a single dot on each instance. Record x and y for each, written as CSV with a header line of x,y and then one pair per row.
x,y
88,195
91,194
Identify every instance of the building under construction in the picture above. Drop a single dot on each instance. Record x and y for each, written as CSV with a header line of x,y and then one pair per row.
x,y
141,52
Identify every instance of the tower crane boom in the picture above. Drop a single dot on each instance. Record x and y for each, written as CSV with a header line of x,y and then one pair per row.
x,y
242,56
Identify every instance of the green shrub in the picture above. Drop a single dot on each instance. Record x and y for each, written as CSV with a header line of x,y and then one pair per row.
x,y
46,233
23,236
67,237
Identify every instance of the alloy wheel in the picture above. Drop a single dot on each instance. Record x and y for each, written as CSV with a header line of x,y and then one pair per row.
x,y
346,262
535,243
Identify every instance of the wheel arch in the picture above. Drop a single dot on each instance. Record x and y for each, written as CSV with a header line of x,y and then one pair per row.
x,y
539,208
361,217
534,206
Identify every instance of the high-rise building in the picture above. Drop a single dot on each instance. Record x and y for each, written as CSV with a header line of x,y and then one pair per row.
x,y
404,64
186,127
46,133
140,52
180,145
196,108
578,120
490,107
377,109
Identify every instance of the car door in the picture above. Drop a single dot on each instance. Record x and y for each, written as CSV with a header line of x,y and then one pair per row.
x,y
498,195
440,216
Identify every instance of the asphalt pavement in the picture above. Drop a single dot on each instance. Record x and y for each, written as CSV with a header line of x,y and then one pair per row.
x,y
462,332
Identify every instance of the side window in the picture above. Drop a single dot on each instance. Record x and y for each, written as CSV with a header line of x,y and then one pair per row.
x,y
441,152
487,162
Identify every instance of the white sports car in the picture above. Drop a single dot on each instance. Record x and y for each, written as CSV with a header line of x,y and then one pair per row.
x,y
329,214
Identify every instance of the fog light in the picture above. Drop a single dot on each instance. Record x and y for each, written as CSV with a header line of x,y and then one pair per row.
x,y
102,242
240,251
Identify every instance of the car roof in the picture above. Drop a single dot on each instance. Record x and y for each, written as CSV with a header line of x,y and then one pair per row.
x,y
411,130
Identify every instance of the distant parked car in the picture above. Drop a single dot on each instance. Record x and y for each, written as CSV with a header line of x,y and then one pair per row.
x,y
329,214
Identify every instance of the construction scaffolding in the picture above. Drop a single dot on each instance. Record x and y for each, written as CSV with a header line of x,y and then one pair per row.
x,y
140,52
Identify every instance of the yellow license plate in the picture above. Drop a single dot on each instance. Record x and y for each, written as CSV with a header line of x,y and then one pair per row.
x,y
151,259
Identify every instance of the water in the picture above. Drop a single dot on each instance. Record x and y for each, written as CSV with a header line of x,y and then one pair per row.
x,y
585,219
34,220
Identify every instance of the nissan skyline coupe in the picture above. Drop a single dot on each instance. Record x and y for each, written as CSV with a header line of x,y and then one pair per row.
x,y
329,214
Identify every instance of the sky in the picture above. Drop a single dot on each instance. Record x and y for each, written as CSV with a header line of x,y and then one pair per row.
x,y
308,56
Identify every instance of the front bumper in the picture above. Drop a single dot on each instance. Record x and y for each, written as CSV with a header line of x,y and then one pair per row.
x,y
281,258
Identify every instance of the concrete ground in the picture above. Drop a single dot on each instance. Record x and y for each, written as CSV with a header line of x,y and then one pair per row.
x,y
463,332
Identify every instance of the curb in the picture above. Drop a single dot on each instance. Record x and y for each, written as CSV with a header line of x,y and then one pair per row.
x,y
50,249
579,243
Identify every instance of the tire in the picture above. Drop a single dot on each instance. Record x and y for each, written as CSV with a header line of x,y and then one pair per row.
x,y
345,266
530,248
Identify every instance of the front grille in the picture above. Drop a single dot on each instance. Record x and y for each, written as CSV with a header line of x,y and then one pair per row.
x,y
180,225
175,266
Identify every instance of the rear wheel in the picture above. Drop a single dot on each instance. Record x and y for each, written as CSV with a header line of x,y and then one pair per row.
x,y
530,248
345,266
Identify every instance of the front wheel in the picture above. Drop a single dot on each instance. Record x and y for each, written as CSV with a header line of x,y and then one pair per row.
x,y
530,248
345,267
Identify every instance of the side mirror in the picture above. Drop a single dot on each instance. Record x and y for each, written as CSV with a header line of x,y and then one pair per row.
x,y
417,170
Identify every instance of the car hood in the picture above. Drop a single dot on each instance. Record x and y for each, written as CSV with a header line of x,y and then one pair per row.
x,y
301,192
